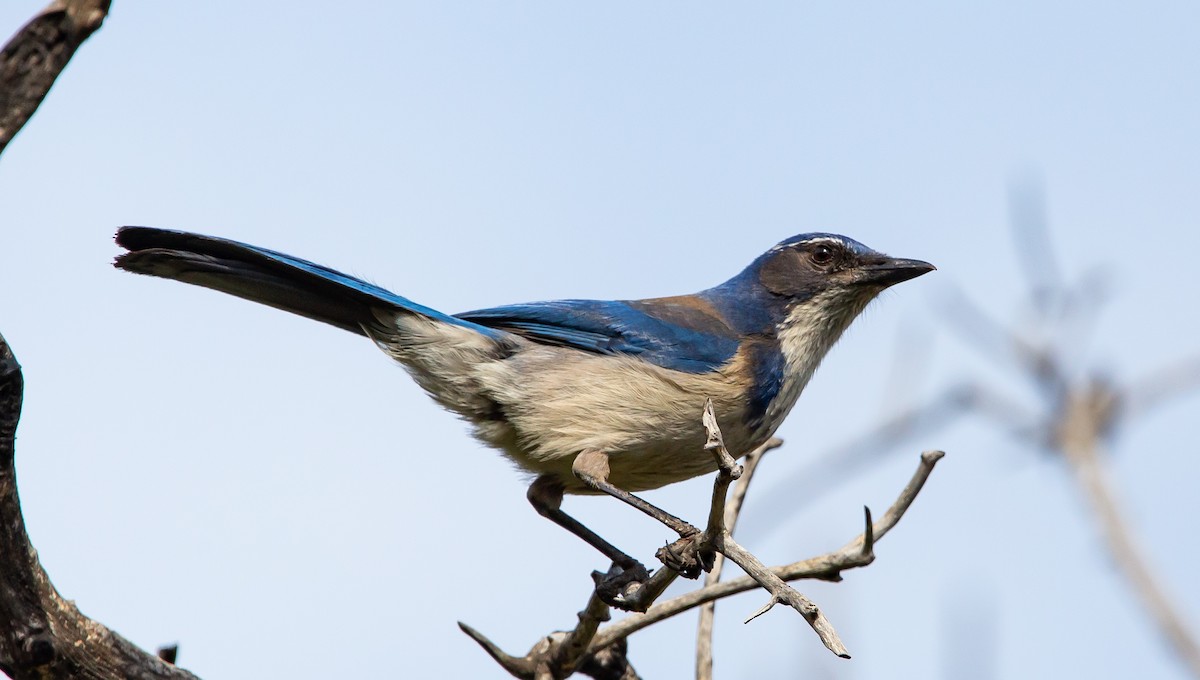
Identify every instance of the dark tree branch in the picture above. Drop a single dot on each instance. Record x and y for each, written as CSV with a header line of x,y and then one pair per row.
x,y
41,634
33,58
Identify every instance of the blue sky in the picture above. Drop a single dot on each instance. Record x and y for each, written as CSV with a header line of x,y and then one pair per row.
x,y
277,497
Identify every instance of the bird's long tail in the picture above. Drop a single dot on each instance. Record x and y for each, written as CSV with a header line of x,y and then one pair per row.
x,y
271,278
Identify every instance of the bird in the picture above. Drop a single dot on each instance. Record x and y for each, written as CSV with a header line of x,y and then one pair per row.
x,y
586,396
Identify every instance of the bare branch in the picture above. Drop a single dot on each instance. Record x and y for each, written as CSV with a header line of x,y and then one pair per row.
x,y
716,537
33,58
826,567
781,592
733,508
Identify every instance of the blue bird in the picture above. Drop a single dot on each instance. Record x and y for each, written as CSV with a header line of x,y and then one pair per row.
x,y
622,382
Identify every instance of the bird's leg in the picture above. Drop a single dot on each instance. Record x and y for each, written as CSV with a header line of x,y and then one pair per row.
x,y
683,556
591,467
545,495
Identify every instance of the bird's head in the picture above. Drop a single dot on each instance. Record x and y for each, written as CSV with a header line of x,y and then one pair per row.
x,y
808,265
792,304
826,278
822,281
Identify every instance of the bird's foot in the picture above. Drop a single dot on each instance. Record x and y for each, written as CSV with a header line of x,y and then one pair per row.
x,y
617,587
689,555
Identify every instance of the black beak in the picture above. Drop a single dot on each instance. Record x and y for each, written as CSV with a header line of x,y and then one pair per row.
x,y
892,270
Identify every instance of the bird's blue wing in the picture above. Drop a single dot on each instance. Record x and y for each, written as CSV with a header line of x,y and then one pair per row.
x,y
676,333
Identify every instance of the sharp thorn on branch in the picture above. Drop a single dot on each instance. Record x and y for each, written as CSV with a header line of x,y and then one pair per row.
x,y
868,549
763,609
169,653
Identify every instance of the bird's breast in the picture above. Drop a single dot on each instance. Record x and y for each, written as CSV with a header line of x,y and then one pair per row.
x,y
806,335
557,402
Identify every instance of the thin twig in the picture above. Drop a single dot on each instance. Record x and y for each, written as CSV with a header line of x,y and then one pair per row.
x,y
782,593
704,628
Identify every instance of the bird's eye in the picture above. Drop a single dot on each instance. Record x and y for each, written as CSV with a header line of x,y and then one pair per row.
x,y
822,255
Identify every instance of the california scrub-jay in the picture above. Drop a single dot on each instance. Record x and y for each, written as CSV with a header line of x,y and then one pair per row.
x,y
589,396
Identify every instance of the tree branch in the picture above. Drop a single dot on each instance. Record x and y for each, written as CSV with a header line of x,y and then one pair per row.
x,y
716,537
33,58
41,634
704,628
857,553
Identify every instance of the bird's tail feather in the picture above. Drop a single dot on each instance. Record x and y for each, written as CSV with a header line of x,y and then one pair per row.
x,y
270,278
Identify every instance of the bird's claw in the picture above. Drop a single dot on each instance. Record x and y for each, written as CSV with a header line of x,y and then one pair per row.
x,y
687,556
619,584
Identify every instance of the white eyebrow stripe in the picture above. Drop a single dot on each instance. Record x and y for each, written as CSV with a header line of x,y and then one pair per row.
x,y
807,241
